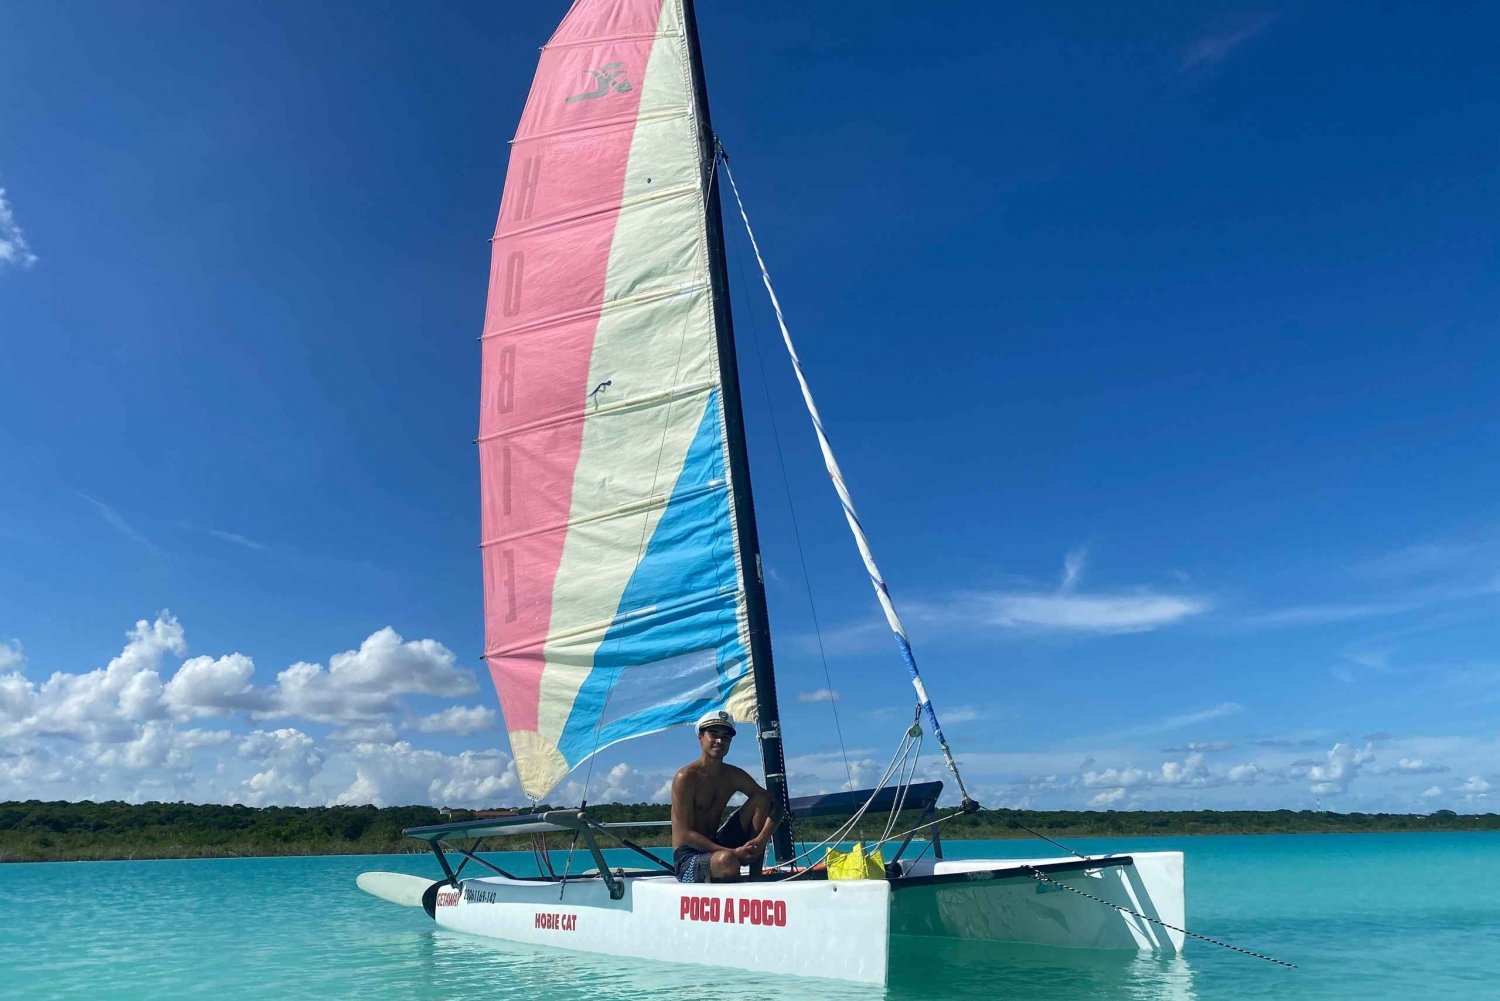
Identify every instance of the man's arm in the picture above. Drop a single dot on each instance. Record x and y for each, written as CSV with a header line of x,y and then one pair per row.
x,y
683,835
754,794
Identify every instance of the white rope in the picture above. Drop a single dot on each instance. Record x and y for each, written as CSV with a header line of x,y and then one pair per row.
x,y
909,741
877,579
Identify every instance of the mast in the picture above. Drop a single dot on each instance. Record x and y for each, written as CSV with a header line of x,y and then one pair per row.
x,y
768,724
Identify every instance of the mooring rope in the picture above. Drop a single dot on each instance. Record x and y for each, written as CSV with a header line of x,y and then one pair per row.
x,y
1038,874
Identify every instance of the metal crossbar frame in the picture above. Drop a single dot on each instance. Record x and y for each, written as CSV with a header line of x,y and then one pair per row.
x,y
441,839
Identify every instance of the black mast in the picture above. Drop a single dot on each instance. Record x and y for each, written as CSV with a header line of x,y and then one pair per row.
x,y
769,723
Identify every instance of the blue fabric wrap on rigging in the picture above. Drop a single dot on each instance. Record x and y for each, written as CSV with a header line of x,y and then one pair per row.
x,y
682,598
911,668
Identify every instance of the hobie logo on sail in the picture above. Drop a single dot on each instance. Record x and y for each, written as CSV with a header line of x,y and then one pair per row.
x,y
609,77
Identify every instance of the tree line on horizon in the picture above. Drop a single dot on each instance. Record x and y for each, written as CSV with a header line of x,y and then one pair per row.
x,y
36,831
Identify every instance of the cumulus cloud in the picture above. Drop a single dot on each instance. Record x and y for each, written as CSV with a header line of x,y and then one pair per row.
x,y
289,759
1108,797
205,686
13,247
462,720
362,684
398,774
1244,774
1333,775
128,730
818,695
102,705
1476,783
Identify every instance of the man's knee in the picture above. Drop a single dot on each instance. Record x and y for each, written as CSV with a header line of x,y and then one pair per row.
x,y
725,866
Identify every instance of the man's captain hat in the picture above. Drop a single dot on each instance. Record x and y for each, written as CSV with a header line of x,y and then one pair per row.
x,y
716,718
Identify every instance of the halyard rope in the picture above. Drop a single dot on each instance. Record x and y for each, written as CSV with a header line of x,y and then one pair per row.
x,y
877,579
1038,874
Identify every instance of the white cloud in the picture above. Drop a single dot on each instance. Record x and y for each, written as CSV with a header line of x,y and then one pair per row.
x,y
103,705
362,684
1215,46
358,686
118,732
1065,609
1108,797
1119,613
1476,784
382,732
238,539
462,720
1191,771
1073,564
399,774
204,686
1337,771
288,759
1416,766
818,695
1206,746
13,247
826,771
118,522
1181,720
10,655
1432,792
1244,774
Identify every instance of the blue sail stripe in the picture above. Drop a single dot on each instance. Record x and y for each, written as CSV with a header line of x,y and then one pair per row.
x,y
691,551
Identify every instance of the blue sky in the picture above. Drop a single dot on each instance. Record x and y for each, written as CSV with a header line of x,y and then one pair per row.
x,y
1158,346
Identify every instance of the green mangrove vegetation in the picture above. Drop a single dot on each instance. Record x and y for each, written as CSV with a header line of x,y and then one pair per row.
x,y
34,831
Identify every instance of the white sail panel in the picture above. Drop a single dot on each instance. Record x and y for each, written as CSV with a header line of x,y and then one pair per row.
x,y
610,556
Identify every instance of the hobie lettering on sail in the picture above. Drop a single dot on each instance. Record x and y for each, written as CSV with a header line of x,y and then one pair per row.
x,y
613,586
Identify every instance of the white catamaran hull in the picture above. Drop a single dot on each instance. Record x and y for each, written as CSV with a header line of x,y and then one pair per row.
x,y
829,929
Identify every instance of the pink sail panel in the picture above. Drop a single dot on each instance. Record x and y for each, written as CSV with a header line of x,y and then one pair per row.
x,y
548,264
608,549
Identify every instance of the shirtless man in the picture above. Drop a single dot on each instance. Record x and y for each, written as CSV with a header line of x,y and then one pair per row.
x,y
700,791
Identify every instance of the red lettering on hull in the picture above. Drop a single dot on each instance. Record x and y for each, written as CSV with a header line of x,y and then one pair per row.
x,y
553,921
733,910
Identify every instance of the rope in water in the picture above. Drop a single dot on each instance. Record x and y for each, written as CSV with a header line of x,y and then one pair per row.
x,y
1039,875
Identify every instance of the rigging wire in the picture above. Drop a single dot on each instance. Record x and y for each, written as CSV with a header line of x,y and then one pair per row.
x,y
912,738
877,579
1042,877
755,338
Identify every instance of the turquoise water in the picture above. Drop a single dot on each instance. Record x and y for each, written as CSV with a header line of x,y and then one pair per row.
x,y
1371,917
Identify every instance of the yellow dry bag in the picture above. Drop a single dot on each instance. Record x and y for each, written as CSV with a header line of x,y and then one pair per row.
x,y
855,864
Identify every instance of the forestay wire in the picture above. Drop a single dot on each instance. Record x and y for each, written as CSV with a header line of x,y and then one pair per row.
x,y
877,579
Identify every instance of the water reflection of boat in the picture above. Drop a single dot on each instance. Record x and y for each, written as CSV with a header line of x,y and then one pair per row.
x,y
963,969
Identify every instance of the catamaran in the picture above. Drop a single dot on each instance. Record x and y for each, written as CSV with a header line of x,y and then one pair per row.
x,y
622,577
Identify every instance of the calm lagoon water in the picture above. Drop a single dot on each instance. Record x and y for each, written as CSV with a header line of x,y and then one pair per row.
x,y
1371,917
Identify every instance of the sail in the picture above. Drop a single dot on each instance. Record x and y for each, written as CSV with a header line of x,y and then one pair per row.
x,y
613,586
